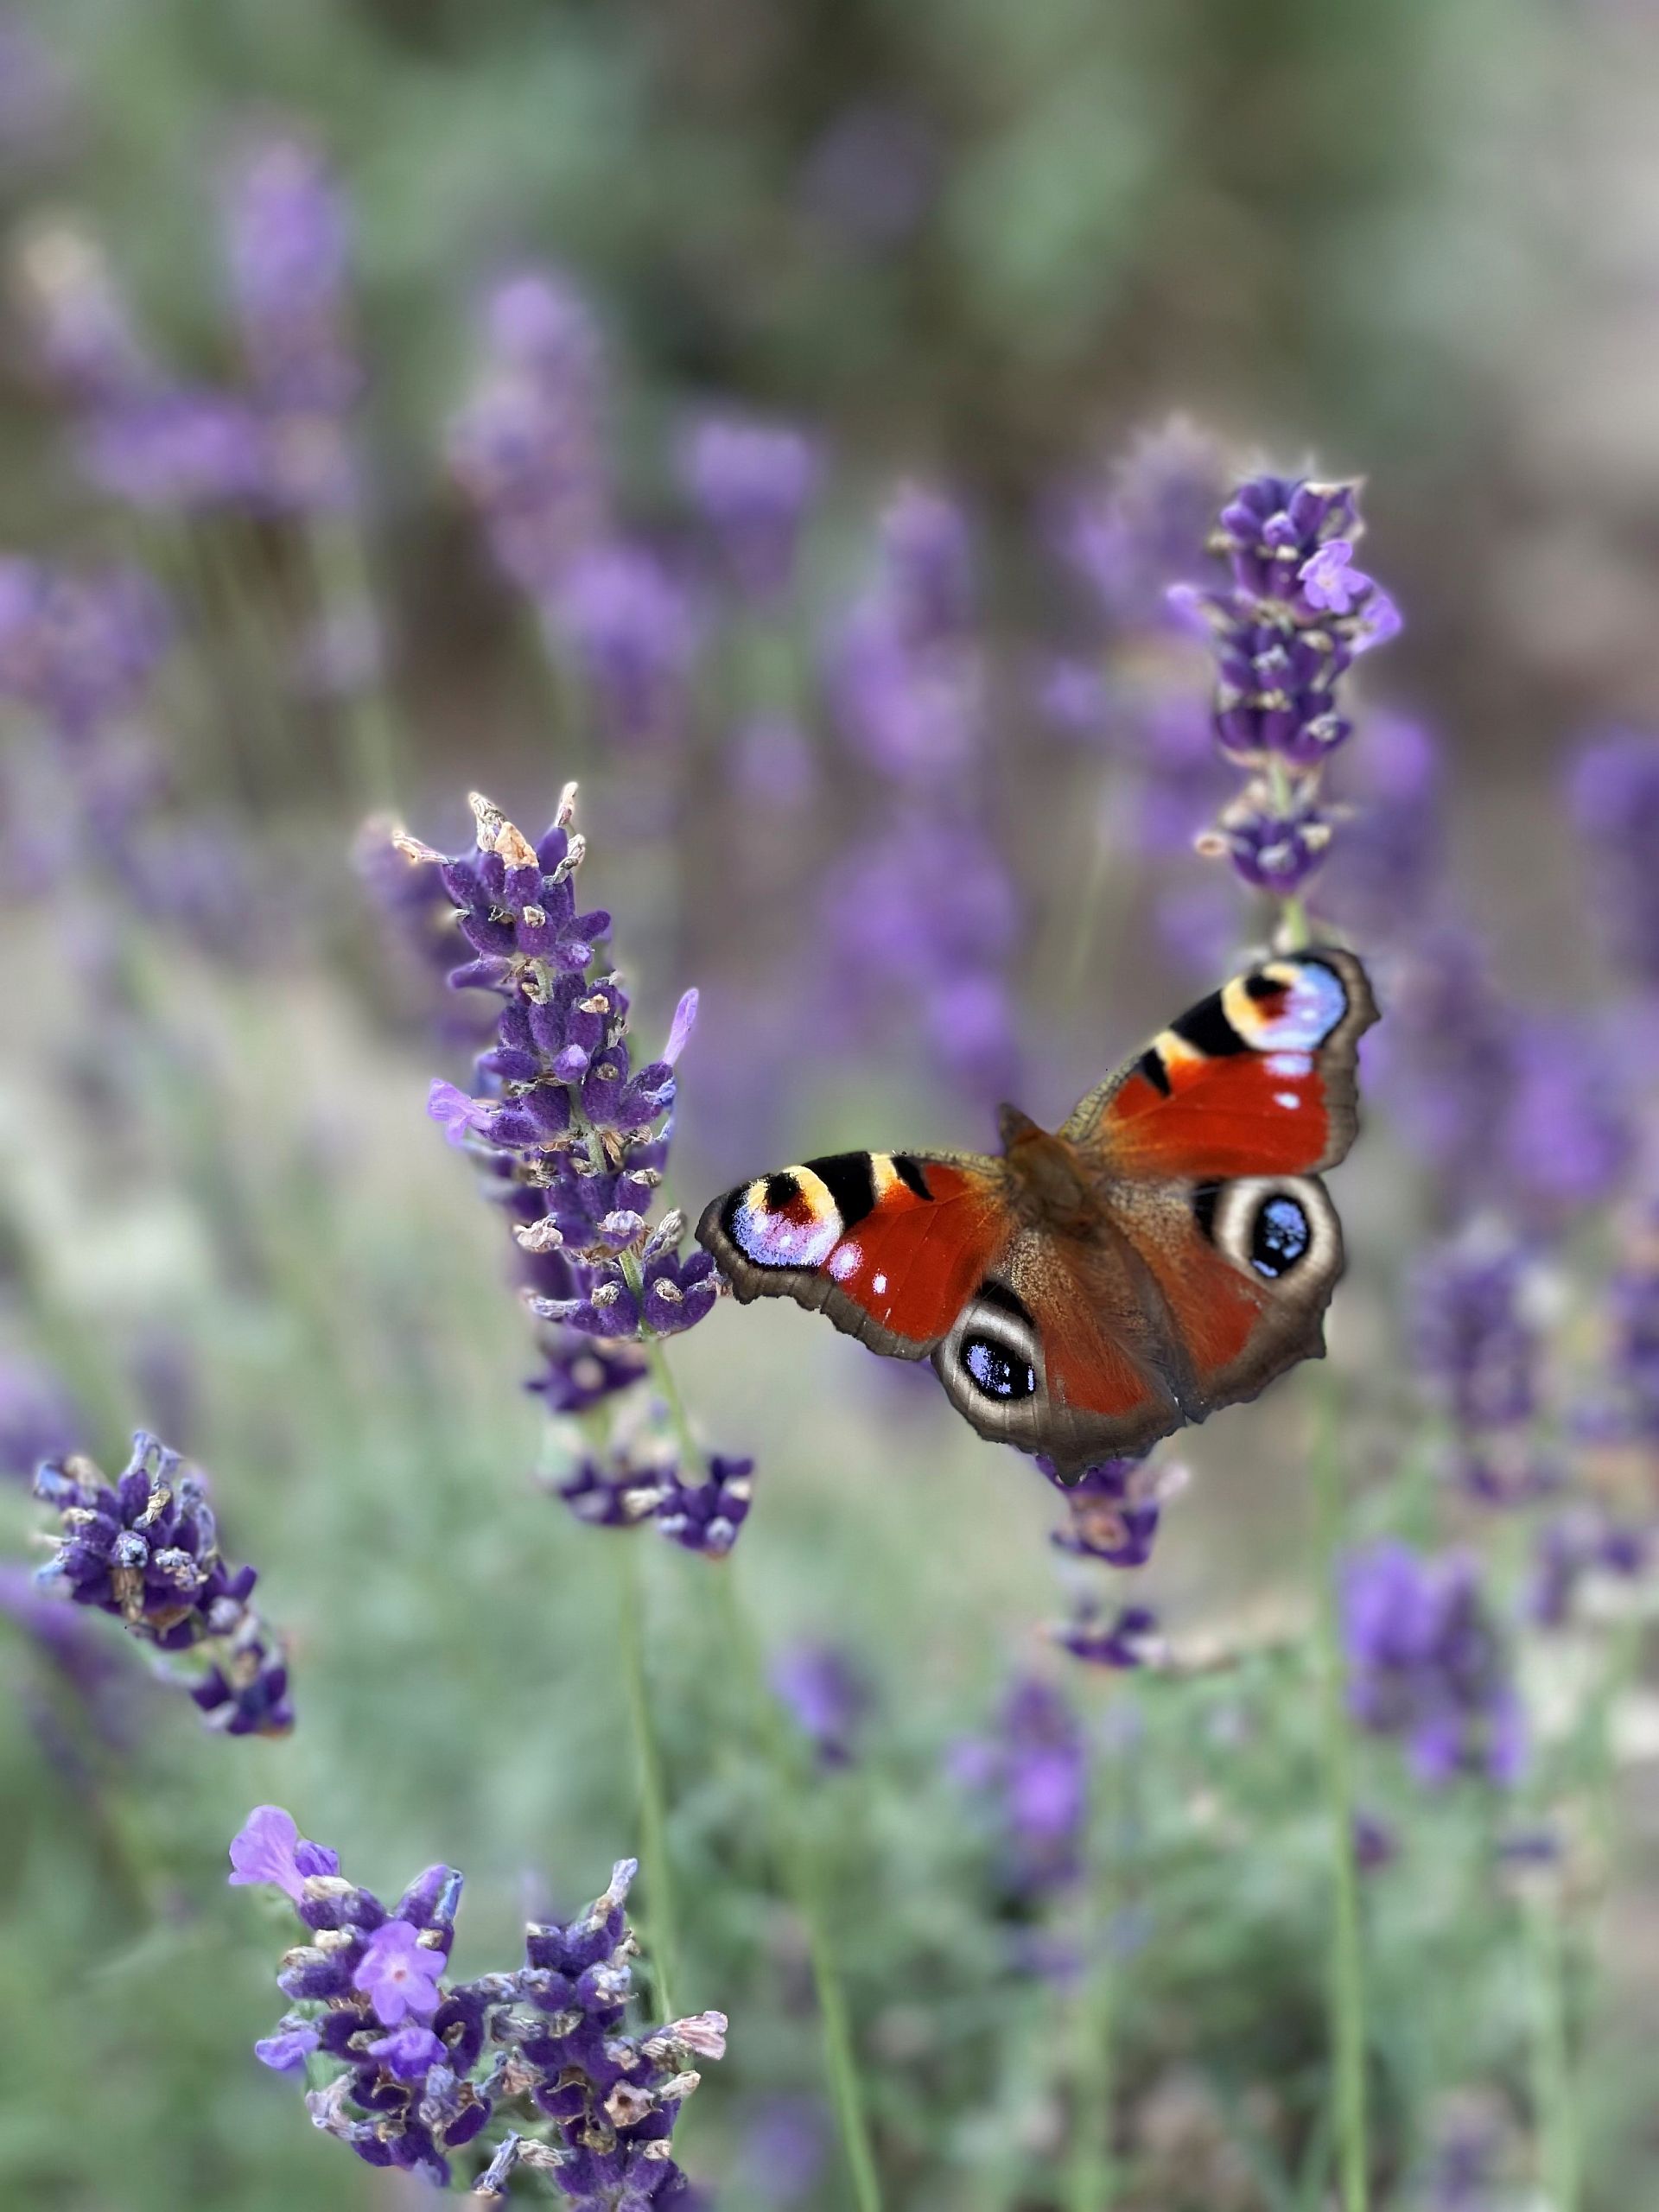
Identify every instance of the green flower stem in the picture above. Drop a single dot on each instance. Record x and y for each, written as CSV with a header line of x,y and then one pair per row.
x,y
1347,1970
691,1468
795,1843
1091,2178
660,1924
340,563
1553,2089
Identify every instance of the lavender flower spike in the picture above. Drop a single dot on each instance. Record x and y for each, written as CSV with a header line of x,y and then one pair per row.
x,y
146,1550
1297,613
417,2066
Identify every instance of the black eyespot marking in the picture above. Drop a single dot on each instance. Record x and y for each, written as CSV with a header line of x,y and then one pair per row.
x,y
1206,1026
850,1180
909,1173
991,1292
1204,1196
782,1190
1279,1236
1260,986
996,1371
1151,1064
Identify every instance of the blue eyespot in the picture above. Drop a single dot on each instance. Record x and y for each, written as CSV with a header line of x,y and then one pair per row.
x,y
998,1372
1280,1238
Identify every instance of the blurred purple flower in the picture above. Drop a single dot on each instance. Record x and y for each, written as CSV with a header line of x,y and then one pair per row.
x,y
753,483
783,2149
1425,1664
1614,790
905,675
77,649
1034,1770
1122,1640
1137,528
286,235
39,1419
1392,852
632,633
1584,1541
1474,1340
528,446
827,1696
922,921
1568,1139
181,450
80,327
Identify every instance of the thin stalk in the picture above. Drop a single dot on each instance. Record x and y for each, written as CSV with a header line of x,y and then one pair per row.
x,y
660,1924
340,562
1554,2102
661,1374
1092,2177
1347,1966
798,1862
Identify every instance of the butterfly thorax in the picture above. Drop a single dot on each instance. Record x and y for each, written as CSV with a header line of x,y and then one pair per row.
x,y
1052,1182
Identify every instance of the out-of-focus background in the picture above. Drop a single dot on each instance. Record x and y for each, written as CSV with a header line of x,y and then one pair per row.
x,y
420,453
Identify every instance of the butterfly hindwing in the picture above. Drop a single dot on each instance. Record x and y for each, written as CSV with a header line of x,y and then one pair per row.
x,y
890,1245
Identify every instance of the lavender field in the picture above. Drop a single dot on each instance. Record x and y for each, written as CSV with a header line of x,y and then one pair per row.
x,y
601,608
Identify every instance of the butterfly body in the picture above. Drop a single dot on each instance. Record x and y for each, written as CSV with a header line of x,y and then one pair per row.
x,y
1168,1251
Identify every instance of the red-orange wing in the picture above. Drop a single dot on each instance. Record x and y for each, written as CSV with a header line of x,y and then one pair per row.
x,y
1257,1079
890,1245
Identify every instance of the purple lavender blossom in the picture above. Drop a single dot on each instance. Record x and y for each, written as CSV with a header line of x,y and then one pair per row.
x,y
827,1697
706,1516
594,2106
398,1976
146,1550
1034,1770
269,1848
753,483
528,446
570,1141
1614,791
1425,1664
1284,633
1113,1512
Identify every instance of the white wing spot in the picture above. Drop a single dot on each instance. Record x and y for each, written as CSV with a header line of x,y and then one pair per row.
x,y
879,1285
846,1260
1286,1098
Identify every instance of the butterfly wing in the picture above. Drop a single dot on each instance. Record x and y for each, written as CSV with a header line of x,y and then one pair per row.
x,y
1206,1148
1256,1079
1060,1350
890,1245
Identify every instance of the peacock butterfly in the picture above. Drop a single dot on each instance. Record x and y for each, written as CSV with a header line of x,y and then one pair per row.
x,y
1169,1251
